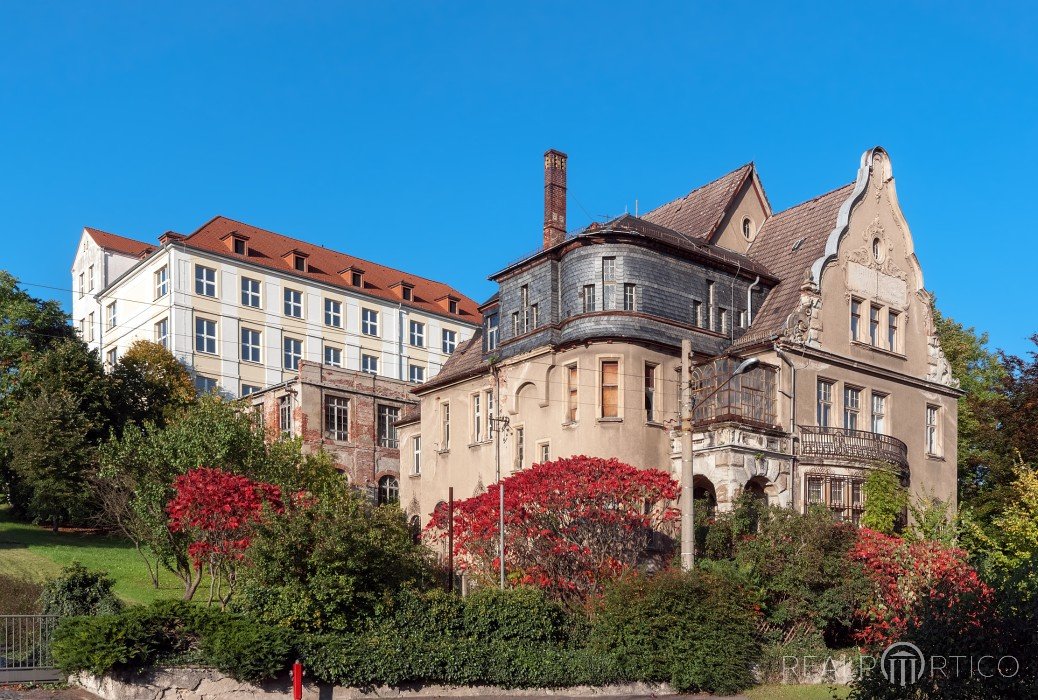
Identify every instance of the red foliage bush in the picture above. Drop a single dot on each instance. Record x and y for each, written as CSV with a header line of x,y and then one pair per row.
x,y
570,525
922,589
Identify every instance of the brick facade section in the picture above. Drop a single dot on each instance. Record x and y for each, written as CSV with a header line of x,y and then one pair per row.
x,y
554,198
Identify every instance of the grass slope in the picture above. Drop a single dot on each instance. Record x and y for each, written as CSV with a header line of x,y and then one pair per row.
x,y
36,553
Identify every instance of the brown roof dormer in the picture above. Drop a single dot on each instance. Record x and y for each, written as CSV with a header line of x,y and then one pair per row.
x,y
353,275
296,259
404,290
449,303
237,243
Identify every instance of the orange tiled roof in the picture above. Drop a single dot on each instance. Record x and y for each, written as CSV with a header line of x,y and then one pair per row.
x,y
119,244
268,249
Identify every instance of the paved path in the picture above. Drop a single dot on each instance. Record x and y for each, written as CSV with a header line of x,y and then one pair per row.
x,y
18,692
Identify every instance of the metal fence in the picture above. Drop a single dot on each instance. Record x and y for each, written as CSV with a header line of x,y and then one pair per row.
x,y
25,648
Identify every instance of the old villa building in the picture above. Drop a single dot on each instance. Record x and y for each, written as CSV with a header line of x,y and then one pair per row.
x,y
580,351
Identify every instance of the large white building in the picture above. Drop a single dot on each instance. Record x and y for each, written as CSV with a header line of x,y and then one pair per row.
x,y
241,306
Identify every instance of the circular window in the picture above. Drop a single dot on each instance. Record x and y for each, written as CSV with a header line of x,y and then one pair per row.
x,y
747,228
876,251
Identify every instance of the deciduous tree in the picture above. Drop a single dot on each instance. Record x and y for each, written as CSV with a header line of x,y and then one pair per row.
x,y
153,386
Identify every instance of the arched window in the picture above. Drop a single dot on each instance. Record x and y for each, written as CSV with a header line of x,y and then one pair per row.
x,y
414,526
876,252
747,228
388,490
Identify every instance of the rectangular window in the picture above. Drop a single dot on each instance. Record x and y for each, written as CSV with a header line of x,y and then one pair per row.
x,y
407,293
477,418
697,314
416,455
879,413
711,300
838,497
416,374
417,334
356,279
90,278
814,490
874,326
610,388
82,285
239,246
825,403
571,393
535,316
250,345
332,356
250,292
450,341
162,333
491,332
369,364
608,283
524,306
855,319
293,353
205,385
337,418
369,322
857,500
520,447
490,414
82,328
445,426
112,358
545,452
933,437
248,389
205,281
387,418
628,297
589,298
851,407
742,318
90,326
161,282
293,303
893,341
650,392
285,415
333,313
299,263
111,311
515,323
205,336
722,315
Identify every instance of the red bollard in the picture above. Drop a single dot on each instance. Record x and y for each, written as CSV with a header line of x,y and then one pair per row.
x,y
297,681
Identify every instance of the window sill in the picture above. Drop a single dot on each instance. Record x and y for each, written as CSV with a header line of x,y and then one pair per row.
x,y
935,458
611,419
653,424
414,476
570,425
876,348
444,452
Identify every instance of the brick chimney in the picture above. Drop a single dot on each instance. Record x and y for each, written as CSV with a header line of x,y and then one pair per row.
x,y
554,197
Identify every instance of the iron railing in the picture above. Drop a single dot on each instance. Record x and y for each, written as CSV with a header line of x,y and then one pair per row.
x,y
858,445
25,648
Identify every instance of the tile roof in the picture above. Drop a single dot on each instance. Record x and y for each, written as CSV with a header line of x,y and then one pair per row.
x,y
267,249
413,414
466,361
808,224
699,212
119,244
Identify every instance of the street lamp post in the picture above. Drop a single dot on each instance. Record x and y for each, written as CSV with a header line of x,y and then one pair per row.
x,y
688,545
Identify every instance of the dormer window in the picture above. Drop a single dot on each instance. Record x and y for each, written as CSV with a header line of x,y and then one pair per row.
x,y
297,259
236,243
407,293
452,306
404,289
354,275
448,302
240,247
300,263
357,279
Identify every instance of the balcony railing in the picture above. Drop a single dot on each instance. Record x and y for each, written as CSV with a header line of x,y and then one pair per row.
x,y
858,445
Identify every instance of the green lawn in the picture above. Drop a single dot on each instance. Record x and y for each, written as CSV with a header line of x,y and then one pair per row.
x,y
796,692
36,553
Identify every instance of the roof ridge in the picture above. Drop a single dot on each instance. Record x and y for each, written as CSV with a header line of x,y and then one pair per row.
x,y
810,201
117,235
691,192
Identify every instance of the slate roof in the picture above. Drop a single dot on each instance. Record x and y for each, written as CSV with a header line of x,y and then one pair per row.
x,y
699,212
807,227
466,361
119,244
267,249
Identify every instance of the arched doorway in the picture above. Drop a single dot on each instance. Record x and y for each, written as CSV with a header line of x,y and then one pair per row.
x,y
703,492
757,488
388,490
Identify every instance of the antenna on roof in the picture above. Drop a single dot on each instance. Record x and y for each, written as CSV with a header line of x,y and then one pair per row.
x,y
636,207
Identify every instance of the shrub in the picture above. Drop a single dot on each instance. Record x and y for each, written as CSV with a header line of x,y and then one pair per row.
x,y
79,591
19,596
885,501
248,650
695,630
522,615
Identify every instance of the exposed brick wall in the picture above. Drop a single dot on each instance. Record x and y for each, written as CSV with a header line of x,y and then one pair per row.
x,y
554,198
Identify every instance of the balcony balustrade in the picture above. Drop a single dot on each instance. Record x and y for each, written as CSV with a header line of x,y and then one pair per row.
x,y
857,445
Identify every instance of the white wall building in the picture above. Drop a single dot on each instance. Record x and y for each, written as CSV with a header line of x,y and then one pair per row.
x,y
241,306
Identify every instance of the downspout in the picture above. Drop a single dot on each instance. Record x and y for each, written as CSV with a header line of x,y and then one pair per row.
x,y
749,301
400,342
731,321
792,418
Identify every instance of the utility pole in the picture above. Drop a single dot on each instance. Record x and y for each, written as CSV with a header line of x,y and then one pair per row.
x,y
498,423
688,545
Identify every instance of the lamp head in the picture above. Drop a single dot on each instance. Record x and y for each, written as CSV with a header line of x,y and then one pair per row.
x,y
746,366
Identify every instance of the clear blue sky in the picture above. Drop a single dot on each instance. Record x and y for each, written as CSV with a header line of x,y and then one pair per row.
x,y
412,133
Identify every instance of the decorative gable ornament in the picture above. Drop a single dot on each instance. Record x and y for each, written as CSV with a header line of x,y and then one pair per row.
x,y
804,326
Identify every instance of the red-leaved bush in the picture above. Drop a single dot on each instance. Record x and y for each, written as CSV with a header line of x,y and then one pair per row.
x,y
925,592
217,511
570,525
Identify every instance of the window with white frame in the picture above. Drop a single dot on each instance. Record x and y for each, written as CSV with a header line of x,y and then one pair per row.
x,y
416,455
336,418
417,334
535,315
571,393
112,358
369,322
161,282
524,306
723,315
388,490
293,352
650,392
82,285
697,313
610,387
369,364
588,298
711,300
250,292
851,407
90,278
293,303
543,452
477,418
285,414
515,324
608,283
110,310
205,281
416,374
492,330
205,335
520,447
248,389
333,313
879,413
332,356
205,385
489,402
82,328
825,403
855,319
893,337
387,418
628,297
90,326
162,333
933,430
874,326
450,341
445,426
251,341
